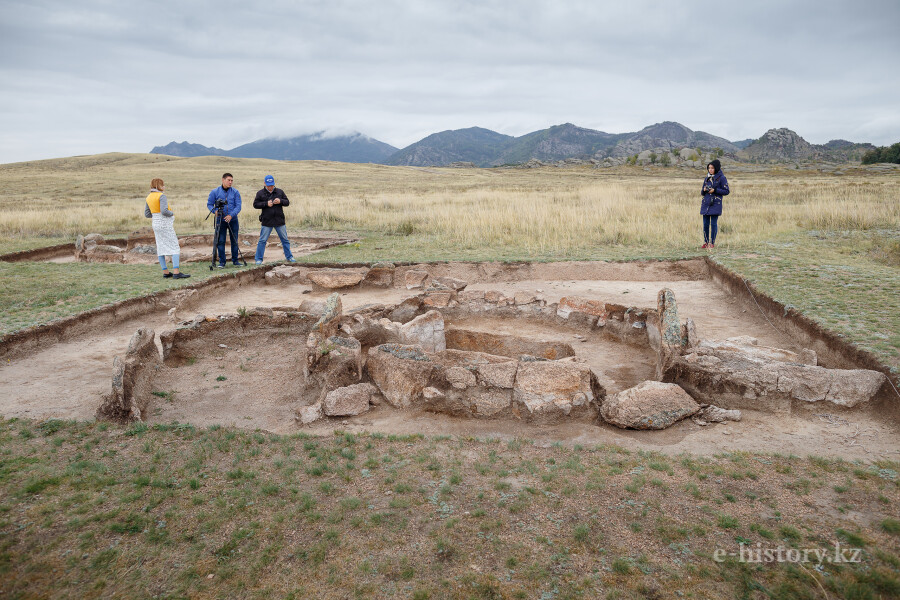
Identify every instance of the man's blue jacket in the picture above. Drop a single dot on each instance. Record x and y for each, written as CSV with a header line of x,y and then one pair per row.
x,y
232,199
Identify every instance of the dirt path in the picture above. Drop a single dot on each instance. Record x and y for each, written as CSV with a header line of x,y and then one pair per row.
x,y
67,379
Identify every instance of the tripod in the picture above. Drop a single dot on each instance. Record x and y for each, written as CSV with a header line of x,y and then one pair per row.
x,y
216,230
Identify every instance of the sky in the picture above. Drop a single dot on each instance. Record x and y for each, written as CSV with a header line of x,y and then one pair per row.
x,y
93,76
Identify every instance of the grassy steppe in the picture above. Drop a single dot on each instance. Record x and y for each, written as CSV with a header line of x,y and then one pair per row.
x,y
88,510
93,510
829,245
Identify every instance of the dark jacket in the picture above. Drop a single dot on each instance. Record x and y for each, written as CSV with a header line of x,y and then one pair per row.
x,y
712,202
272,216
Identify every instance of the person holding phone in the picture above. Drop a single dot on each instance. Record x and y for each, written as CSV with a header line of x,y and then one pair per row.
x,y
715,186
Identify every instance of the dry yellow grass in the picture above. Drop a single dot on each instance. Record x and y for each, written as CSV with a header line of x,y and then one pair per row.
x,y
547,210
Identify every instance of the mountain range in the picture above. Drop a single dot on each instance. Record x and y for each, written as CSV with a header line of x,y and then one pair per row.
x,y
485,148
353,148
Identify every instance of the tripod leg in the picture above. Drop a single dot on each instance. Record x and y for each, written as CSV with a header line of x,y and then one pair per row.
x,y
215,242
237,244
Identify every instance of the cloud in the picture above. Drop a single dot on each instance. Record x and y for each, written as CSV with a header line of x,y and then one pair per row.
x,y
97,76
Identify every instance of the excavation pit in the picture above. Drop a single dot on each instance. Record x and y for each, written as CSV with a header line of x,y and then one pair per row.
x,y
140,248
247,367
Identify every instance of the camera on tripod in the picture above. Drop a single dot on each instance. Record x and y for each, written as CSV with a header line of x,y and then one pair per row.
x,y
220,203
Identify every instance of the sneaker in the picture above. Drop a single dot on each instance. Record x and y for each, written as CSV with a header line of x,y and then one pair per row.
x,y
711,247
220,266
292,260
705,246
180,276
236,264
259,262
167,275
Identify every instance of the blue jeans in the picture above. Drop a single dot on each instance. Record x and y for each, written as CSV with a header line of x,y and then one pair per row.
x,y
264,234
710,228
230,229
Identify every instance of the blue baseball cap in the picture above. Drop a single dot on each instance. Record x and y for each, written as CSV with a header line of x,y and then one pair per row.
x,y
270,180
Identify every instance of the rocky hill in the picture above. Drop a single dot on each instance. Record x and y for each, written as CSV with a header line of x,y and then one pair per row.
x,y
188,150
566,143
353,148
556,143
780,145
475,144
668,135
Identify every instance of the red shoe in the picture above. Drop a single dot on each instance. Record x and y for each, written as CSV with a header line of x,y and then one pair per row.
x,y
711,247
705,246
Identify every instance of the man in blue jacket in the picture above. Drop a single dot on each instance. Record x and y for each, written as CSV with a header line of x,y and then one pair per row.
x,y
229,217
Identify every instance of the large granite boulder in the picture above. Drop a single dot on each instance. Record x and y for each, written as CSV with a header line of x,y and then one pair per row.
x,y
648,405
131,382
349,401
380,275
284,273
326,327
569,304
401,372
333,279
733,375
310,414
750,346
554,388
416,279
426,331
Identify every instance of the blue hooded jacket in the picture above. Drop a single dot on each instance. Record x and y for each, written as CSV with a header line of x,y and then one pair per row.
x,y
232,199
712,202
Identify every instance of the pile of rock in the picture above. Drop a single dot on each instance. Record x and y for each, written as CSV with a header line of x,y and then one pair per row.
x,y
740,373
93,248
410,365
406,356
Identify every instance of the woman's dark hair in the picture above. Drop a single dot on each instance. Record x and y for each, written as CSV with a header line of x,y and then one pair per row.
x,y
717,165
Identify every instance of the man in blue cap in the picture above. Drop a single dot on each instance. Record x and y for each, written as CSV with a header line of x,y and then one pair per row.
x,y
271,200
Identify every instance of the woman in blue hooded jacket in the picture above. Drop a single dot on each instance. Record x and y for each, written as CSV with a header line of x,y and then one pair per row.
x,y
714,187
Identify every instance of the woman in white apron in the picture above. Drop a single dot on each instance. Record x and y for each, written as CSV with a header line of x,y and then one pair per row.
x,y
158,209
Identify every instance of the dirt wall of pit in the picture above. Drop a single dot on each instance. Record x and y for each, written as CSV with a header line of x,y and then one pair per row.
x,y
23,342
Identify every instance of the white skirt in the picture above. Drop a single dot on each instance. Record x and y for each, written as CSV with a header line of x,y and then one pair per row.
x,y
166,240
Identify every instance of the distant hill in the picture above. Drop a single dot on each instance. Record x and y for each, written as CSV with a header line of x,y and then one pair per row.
x,y
188,150
668,135
353,148
782,144
485,148
556,143
475,144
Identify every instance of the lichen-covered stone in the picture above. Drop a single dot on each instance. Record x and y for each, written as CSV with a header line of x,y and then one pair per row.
x,y
335,278
400,372
648,405
569,304
426,331
553,387
670,326
349,400
416,279
131,380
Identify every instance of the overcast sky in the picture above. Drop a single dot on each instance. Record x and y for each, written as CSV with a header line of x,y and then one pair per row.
x,y
91,76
